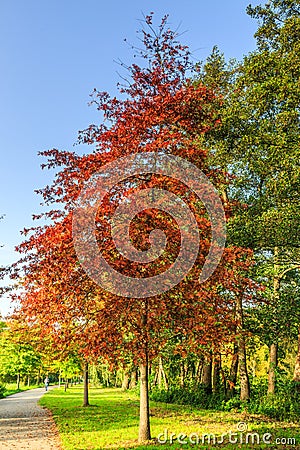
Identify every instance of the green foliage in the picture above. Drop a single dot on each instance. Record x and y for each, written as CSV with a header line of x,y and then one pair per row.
x,y
271,16
2,390
195,396
10,389
17,358
284,405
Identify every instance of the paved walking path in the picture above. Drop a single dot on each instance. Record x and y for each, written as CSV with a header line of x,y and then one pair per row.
x,y
26,425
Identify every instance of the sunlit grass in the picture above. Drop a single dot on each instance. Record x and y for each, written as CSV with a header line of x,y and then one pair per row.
x,y
11,388
112,422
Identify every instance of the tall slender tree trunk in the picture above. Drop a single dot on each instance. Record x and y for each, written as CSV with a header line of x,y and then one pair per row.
x,y
182,374
126,380
199,371
133,378
207,374
243,371
86,384
273,348
296,376
233,370
161,377
272,368
216,372
162,374
144,426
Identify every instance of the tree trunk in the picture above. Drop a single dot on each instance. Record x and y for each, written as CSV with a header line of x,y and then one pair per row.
x,y
199,371
207,373
243,372
126,381
162,375
18,380
272,368
216,373
273,348
144,428
86,384
233,371
133,378
28,381
59,378
296,376
182,374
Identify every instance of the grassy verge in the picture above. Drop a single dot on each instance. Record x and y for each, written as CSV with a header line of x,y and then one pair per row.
x,y
112,422
11,389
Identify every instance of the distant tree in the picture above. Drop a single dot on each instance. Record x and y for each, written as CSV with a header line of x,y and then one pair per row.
x,y
18,356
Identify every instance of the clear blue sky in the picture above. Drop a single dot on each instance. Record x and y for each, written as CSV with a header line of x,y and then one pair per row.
x,y
53,53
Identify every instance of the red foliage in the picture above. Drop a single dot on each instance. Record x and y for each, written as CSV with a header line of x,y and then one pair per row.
x,y
163,112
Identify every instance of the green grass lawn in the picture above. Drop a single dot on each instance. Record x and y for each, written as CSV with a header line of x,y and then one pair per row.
x,y
11,388
112,422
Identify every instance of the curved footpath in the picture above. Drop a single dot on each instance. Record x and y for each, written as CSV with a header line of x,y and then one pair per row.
x,y
26,425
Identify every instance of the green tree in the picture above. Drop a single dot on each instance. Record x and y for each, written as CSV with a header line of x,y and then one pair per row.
x,y
258,144
18,357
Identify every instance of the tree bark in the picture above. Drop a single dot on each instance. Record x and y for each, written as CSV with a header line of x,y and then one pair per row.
x,y
233,371
296,376
216,373
133,378
144,427
273,348
182,374
272,368
199,371
126,381
86,384
207,373
162,375
243,371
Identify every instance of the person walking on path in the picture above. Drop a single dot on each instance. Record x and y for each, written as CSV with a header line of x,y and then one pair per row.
x,y
46,381
24,425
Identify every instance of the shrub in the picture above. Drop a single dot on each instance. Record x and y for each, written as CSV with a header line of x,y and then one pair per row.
x,y
284,405
196,396
2,390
